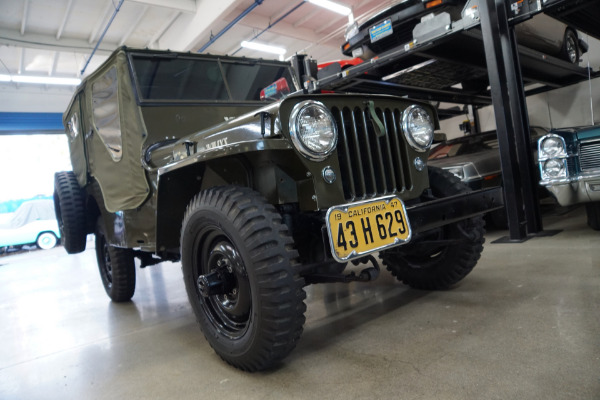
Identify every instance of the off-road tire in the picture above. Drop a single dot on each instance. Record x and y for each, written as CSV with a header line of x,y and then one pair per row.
x,y
69,206
424,264
116,266
256,325
593,215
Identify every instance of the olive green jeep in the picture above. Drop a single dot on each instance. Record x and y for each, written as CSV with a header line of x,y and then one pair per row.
x,y
176,158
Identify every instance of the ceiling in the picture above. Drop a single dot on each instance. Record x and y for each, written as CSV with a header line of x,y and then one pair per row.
x,y
57,37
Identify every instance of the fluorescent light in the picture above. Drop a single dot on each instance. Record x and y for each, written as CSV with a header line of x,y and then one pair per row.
x,y
263,47
42,80
332,6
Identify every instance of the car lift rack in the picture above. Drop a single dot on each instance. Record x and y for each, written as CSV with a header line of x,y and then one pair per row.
x,y
480,45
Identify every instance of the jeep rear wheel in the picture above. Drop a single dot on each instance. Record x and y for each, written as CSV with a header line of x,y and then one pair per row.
x,y
441,257
69,206
116,266
239,268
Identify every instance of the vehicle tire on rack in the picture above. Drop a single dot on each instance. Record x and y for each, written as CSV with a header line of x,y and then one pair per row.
x,y
252,312
441,257
69,206
570,50
593,215
117,267
46,240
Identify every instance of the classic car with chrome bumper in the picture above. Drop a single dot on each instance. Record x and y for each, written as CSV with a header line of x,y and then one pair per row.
x,y
569,161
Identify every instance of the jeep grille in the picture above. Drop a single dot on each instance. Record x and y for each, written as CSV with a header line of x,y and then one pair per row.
x,y
589,155
371,166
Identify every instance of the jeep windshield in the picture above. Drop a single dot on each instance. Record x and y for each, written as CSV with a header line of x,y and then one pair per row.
x,y
193,78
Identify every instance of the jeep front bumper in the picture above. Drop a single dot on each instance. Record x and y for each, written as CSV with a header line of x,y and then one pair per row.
x,y
440,212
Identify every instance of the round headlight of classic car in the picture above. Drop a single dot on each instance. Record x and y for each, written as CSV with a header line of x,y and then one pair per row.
x,y
555,168
313,130
552,146
418,127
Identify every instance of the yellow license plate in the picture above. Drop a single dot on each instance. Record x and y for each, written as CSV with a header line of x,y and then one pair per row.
x,y
362,228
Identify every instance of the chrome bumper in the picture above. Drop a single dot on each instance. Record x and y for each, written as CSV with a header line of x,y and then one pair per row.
x,y
581,189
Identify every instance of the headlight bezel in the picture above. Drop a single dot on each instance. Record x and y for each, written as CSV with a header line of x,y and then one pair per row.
x,y
545,155
297,140
562,169
351,31
409,135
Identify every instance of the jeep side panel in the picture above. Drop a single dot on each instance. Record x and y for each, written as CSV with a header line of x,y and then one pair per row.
x,y
75,130
116,137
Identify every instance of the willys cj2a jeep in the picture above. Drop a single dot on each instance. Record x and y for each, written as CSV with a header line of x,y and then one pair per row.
x,y
175,157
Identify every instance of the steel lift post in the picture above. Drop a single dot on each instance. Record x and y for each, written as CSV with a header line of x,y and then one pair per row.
x,y
512,120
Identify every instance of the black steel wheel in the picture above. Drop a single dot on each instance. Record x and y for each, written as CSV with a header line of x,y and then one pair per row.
x,y
570,50
441,257
117,267
240,273
69,206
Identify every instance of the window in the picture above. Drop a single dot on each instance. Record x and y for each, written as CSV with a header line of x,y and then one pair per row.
x,y
246,81
105,107
73,126
179,79
191,78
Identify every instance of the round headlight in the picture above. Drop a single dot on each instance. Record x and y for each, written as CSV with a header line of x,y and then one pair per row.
x,y
313,130
418,127
554,168
552,146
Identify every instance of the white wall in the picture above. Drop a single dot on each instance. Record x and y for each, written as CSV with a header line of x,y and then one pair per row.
x,y
559,108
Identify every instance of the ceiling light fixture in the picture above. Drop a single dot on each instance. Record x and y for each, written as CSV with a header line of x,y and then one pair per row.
x,y
41,80
263,47
332,6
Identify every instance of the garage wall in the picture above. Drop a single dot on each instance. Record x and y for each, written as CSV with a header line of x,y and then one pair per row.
x,y
559,108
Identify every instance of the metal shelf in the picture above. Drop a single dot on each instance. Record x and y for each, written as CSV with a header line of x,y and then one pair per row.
x,y
432,70
580,14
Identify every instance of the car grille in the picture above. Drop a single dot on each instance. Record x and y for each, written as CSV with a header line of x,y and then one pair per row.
x,y
371,166
589,155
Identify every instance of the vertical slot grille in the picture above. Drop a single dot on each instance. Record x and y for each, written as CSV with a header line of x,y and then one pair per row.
x,y
589,155
371,166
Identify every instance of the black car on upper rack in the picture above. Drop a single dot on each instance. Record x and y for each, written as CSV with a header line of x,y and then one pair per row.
x,y
398,24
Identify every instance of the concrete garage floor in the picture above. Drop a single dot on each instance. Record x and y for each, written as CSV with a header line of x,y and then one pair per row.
x,y
524,325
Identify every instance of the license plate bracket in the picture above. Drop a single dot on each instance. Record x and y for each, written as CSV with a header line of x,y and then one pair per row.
x,y
364,227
